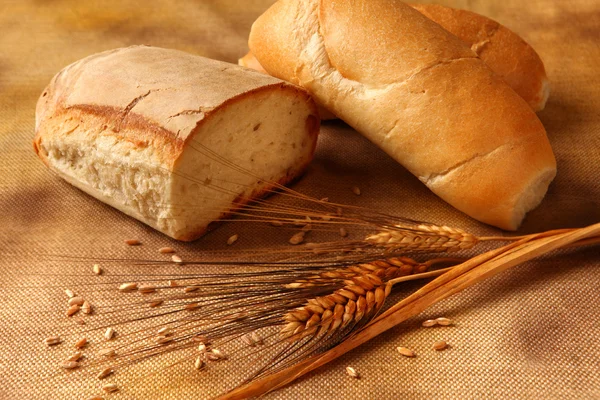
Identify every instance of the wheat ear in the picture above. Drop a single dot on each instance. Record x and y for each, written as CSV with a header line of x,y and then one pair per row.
x,y
366,286
423,237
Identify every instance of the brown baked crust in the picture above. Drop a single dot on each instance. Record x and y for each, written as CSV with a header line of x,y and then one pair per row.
x,y
505,52
442,113
69,103
148,119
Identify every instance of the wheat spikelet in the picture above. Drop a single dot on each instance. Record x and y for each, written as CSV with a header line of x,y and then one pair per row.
x,y
365,288
423,237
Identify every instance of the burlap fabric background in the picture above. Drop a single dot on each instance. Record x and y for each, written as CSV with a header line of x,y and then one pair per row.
x,y
530,333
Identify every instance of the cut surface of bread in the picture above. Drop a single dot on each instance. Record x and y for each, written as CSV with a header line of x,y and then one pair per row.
x,y
174,140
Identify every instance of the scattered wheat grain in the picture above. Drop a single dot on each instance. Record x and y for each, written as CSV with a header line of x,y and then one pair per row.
x,y
256,338
441,345
97,270
164,331
248,340
443,321
104,373
128,287
133,242
156,303
86,308
69,364
276,223
201,347
356,190
166,250
76,301
192,288
232,239
343,232
297,238
164,339
80,320
176,259
52,340
146,289
75,356
352,372
74,309
110,387
81,343
69,293
109,334
406,352
107,352
429,323
192,306
173,283
199,363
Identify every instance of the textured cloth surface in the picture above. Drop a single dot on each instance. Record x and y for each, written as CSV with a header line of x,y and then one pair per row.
x,y
531,332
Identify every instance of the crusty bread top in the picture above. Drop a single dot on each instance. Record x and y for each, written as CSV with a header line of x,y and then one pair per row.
x,y
125,85
503,50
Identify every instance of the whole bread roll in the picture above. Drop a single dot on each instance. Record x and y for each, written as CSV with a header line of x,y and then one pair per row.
x,y
505,52
420,94
151,131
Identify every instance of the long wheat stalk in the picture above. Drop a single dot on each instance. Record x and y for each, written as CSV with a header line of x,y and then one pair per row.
x,y
458,278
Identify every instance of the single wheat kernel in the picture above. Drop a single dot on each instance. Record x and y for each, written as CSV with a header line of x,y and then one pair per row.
x,y
107,352
164,339
81,343
133,242
173,283
97,270
176,259
96,398
76,301
52,340
146,289
356,190
441,345
80,320
110,387
256,338
104,373
75,356
164,331
69,293
74,309
86,308
156,303
443,321
326,217
343,232
189,289
248,340
429,323
307,228
69,364
232,239
406,352
216,354
166,250
276,223
201,347
325,199
109,334
352,372
192,306
128,287
199,363
297,238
